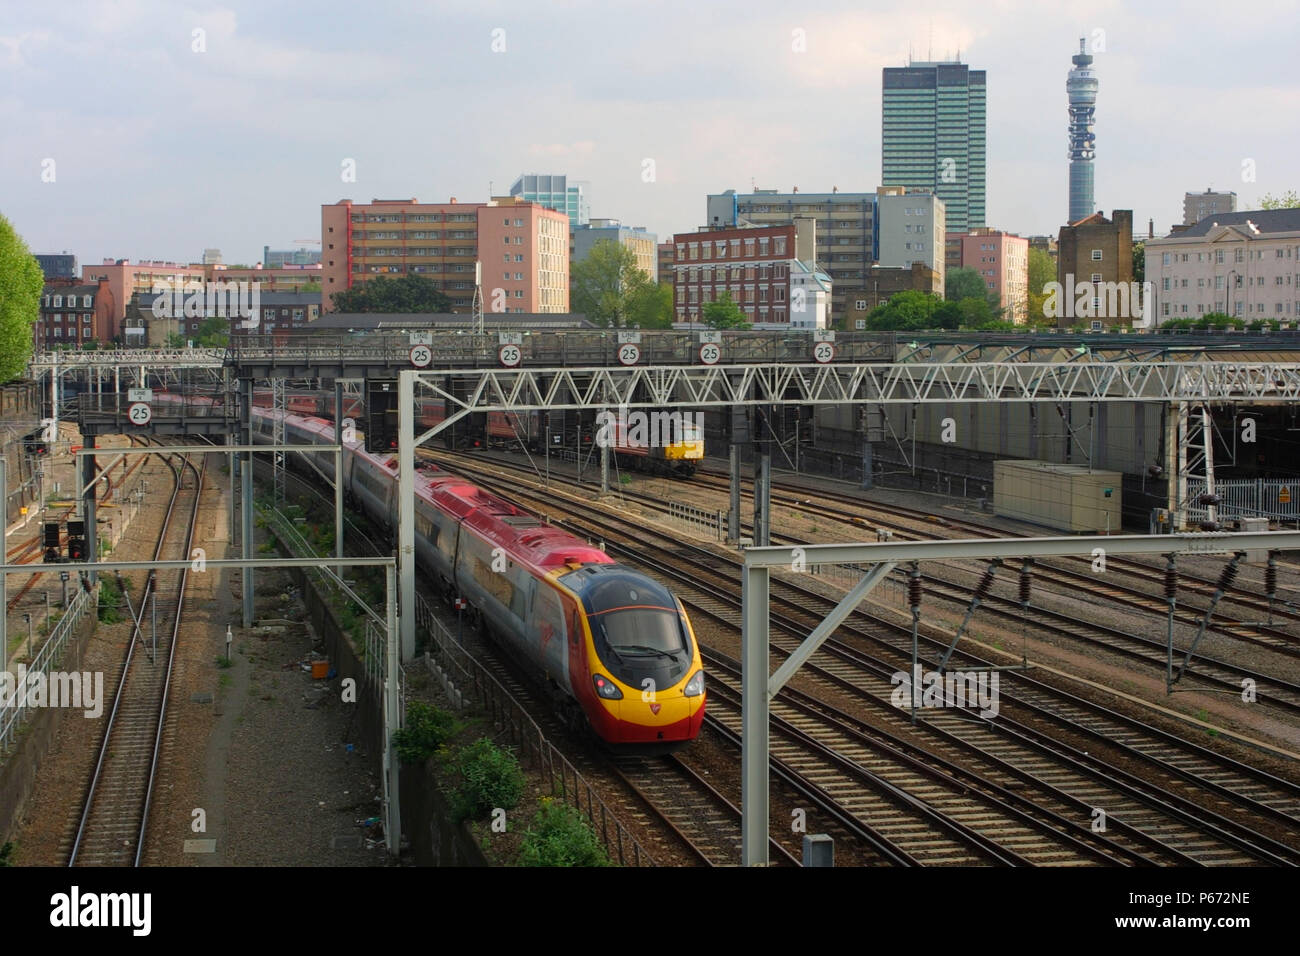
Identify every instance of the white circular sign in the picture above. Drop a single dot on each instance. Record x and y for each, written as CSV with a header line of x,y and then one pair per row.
x,y
823,352
139,413
510,355
629,354
710,353
421,356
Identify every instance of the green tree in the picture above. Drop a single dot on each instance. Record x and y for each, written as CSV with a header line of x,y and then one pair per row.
x,y
1287,200
907,311
1042,270
963,283
404,294
724,313
310,287
214,333
612,291
651,306
21,282
976,313
1139,262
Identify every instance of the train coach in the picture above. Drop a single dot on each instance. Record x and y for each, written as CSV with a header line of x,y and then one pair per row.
x,y
669,443
614,647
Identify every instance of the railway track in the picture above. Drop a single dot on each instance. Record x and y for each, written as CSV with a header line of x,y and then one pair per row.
x,y
1232,624
1219,674
1195,797
662,793
112,827
32,549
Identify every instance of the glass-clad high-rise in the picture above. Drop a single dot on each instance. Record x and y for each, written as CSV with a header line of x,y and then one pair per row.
x,y
555,192
934,136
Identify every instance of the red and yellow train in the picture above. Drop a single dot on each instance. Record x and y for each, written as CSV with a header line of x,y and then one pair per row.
x,y
614,646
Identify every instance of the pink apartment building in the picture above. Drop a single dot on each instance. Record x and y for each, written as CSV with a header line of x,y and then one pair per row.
x,y
523,247
1002,260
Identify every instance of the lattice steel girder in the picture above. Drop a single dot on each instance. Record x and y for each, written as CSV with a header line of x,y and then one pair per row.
x,y
128,358
705,386
1222,542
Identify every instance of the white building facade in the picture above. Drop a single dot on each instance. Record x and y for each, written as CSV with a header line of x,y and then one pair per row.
x,y
1246,264
911,228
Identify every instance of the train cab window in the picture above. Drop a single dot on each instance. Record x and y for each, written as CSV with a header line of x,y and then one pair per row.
x,y
631,614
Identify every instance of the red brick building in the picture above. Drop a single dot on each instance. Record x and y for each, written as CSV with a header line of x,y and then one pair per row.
x,y
759,267
75,313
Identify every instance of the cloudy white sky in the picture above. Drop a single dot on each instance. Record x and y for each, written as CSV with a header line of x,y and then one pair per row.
x,y
160,151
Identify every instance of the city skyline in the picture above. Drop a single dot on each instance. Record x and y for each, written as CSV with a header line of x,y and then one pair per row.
x,y
249,136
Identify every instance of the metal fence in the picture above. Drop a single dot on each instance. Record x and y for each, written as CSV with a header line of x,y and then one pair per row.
x,y
14,708
463,672
375,640
710,524
1275,498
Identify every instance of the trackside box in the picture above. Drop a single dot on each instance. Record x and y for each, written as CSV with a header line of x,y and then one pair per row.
x,y
1066,497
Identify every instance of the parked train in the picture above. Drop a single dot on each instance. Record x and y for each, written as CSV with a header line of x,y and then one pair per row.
x,y
615,647
670,443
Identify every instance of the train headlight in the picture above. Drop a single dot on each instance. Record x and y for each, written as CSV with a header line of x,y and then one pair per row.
x,y
695,686
606,688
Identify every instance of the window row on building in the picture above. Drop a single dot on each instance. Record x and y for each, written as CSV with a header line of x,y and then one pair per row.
x,y
56,301
761,247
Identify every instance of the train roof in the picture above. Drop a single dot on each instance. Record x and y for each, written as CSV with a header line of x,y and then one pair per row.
x,y
526,537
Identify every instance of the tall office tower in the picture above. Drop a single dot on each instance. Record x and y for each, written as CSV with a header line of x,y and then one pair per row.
x,y
555,192
934,136
1081,87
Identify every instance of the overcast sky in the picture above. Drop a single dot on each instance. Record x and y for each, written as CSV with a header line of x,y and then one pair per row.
x,y
160,151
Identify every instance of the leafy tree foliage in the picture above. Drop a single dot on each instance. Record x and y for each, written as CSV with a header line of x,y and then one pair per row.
x,y
913,311
404,294
963,284
214,333
613,292
1042,270
651,306
1217,321
724,313
21,281
1287,200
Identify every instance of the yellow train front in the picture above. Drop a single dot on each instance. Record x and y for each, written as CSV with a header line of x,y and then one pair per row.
x,y
635,669
670,443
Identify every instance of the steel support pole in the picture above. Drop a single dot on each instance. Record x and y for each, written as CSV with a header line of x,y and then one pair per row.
x,y
338,473
604,465
808,646
754,717
226,396
4,578
406,508
87,501
246,498
762,496
392,718
1171,596
733,515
